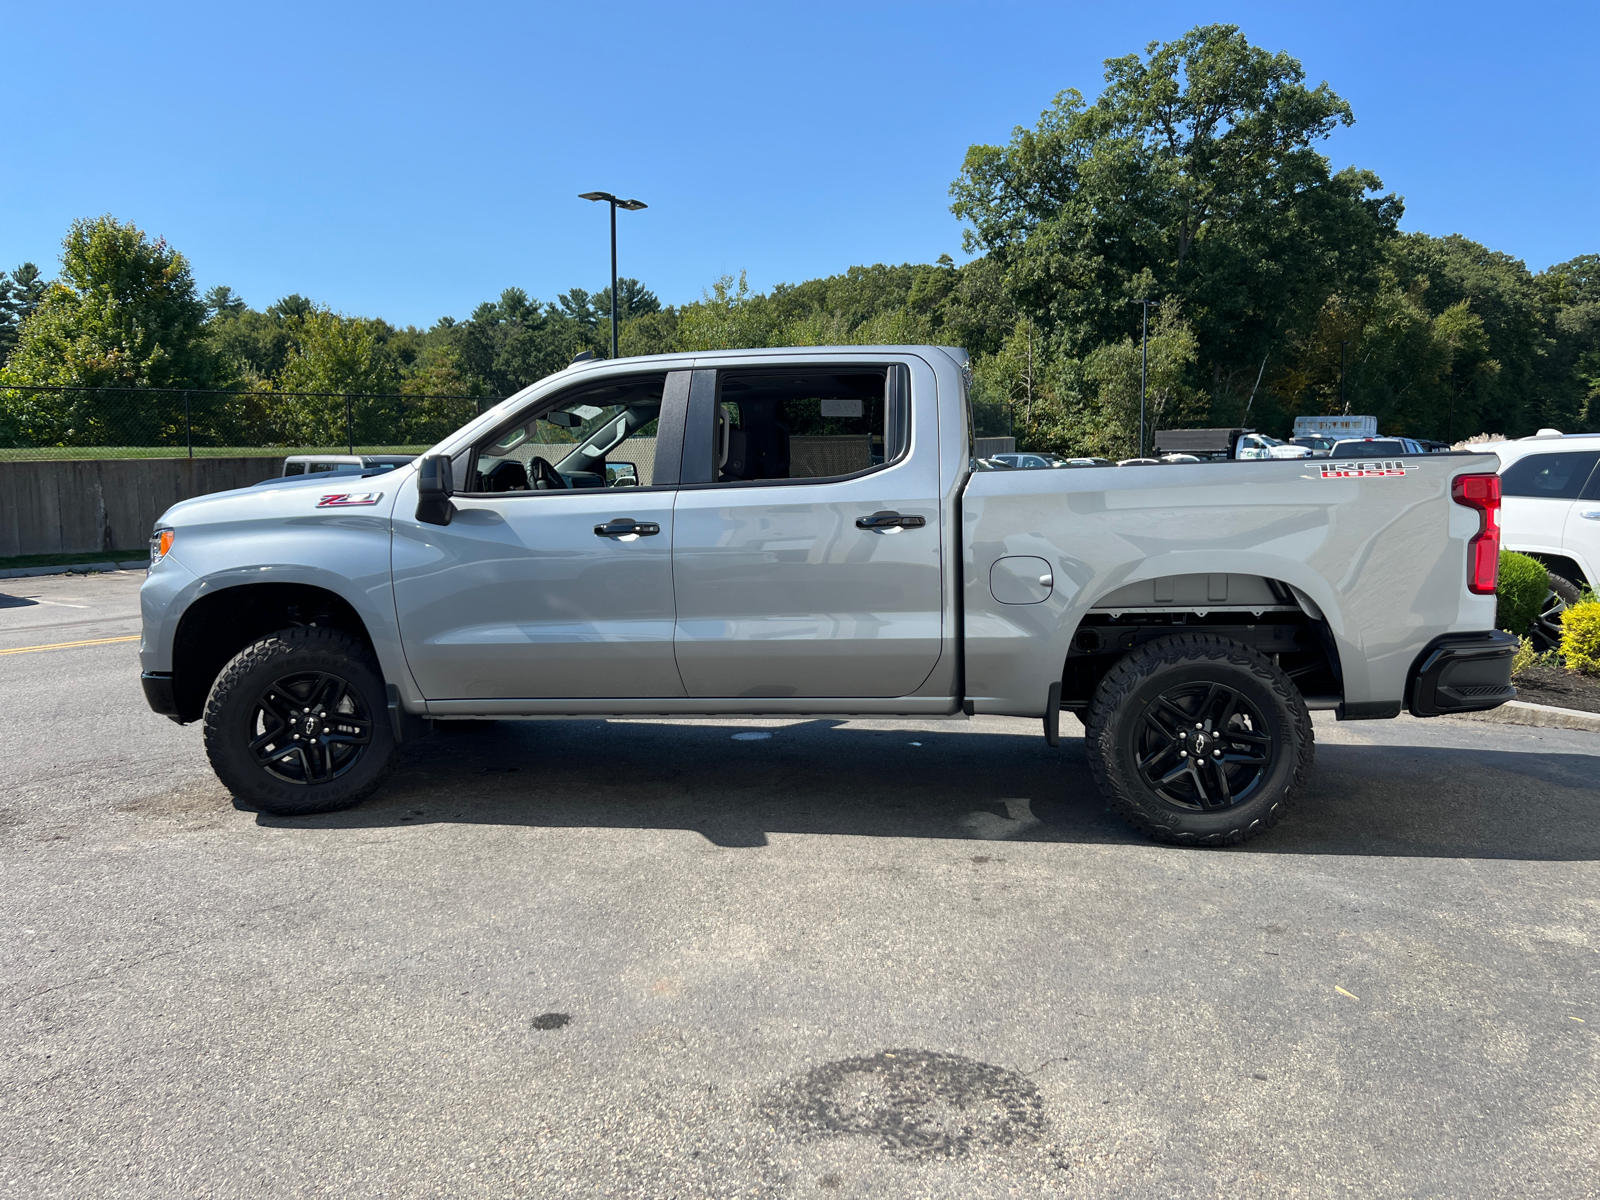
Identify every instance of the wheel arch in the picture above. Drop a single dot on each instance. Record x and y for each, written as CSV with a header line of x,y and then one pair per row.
x,y
222,622
1568,568
1275,616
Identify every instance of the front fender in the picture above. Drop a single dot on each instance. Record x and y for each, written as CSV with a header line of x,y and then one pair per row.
x,y
237,539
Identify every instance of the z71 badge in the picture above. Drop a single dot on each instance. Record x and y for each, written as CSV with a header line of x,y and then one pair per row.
x,y
349,499
1363,470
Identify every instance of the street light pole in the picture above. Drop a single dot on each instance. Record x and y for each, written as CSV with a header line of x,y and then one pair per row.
x,y
631,206
1344,405
1144,363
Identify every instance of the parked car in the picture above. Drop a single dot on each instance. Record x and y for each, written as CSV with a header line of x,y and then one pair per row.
x,y
1243,444
320,464
1375,447
1551,502
1029,461
1192,615
1319,446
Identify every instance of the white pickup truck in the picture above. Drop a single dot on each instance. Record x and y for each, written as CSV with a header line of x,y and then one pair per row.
x,y
801,531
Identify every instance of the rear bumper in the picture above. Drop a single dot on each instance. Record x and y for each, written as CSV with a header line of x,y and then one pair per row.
x,y
1462,672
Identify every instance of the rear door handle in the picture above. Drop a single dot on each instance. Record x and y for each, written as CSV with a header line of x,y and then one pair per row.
x,y
889,520
627,527
1592,515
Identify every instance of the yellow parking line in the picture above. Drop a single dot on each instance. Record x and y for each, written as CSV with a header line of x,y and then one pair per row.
x,y
132,637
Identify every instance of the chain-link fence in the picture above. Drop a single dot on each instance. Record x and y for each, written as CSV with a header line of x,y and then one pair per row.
x,y
38,422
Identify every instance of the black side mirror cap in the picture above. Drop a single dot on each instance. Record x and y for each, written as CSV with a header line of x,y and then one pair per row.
x,y
434,489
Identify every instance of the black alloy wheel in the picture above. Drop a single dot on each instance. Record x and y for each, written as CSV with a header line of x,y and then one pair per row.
x,y
1545,633
1197,740
309,728
297,723
1203,747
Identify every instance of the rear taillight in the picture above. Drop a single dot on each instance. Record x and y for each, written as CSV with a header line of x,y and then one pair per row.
x,y
1481,492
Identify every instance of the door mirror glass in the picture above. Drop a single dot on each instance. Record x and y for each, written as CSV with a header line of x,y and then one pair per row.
x,y
434,490
622,474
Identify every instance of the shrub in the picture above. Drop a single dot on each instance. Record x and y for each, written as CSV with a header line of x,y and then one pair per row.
x,y
1580,638
1525,657
1524,583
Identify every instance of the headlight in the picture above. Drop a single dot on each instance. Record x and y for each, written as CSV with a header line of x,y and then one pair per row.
x,y
160,543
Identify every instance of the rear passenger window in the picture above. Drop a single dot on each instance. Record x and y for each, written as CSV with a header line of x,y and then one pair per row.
x,y
1552,476
808,424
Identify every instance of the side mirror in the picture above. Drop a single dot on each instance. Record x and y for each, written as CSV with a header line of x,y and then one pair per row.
x,y
622,474
434,490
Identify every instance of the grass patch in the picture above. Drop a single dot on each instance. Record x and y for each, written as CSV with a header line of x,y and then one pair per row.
x,y
69,560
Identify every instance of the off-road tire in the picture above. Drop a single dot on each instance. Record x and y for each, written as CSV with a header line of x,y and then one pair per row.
x,y
231,711
1117,720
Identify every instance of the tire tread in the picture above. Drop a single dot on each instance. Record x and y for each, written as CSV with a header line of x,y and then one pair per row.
x,y
1133,669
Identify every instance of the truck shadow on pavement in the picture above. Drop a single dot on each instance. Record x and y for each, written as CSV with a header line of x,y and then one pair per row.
x,y
735,787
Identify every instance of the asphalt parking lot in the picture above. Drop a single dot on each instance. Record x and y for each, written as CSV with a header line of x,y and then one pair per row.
x,y
751,958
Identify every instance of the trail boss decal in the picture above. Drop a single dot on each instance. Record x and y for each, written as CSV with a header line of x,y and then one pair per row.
x,y
349,499
1363,470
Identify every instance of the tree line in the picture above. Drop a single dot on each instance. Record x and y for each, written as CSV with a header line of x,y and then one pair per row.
x,y
1193,181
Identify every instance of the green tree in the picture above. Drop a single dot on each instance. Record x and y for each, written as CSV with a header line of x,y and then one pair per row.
x,y
123,314
20,294
729,316
1194,175
346,362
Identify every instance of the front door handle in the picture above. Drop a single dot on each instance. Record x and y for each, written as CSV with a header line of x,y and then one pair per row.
x,y
889,520
626,527
1592,515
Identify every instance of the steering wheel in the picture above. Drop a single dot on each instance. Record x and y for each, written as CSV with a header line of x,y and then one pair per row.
x,y
545,477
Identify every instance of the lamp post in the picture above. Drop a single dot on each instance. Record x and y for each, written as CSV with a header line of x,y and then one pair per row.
x,y
1144,363
631,206
1344,405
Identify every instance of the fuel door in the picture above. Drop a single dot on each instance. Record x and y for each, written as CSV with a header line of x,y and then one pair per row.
x,y
1021,579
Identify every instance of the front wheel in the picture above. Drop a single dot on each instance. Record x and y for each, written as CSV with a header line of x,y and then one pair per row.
x,y
298,723
1198,740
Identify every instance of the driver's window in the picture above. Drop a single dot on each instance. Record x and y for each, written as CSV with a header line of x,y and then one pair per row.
x,y
583,440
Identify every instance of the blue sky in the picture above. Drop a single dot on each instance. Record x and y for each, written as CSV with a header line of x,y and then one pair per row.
x,y
410,160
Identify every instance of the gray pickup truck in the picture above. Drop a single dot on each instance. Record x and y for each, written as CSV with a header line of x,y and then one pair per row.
x,y
803,531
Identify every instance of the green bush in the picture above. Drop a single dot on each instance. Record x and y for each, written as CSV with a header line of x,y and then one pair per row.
x,y
1580,638
1524,583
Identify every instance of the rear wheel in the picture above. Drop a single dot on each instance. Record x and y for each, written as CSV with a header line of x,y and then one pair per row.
x,y
298,723
1198,740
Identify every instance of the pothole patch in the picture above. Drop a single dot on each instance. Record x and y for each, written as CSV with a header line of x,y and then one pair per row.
x,y
913,1103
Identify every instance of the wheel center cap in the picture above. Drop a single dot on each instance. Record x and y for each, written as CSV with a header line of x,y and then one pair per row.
x,y
1199,743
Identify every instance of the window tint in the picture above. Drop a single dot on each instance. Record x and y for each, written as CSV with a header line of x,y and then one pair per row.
x,y
1553,476
598,437
806,424
295,469
1370,448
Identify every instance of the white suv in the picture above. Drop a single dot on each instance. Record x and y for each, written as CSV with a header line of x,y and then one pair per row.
x,y
1550,505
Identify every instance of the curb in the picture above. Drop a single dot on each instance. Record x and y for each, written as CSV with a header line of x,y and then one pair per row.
x,y
1547,716
138,564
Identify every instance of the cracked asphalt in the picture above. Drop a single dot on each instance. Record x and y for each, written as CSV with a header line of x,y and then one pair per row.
x,y
866,958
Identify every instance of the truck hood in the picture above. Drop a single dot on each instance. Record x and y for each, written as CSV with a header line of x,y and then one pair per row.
x,y
289,498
